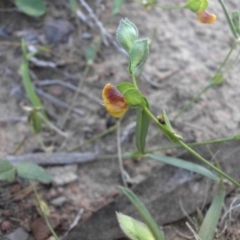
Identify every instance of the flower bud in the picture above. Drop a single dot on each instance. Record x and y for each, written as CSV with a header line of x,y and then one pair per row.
x,y
127,34
114,101
206,17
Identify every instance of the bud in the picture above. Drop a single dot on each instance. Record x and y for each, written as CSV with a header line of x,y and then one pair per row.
x,y
127,34
138,55
114,101
134,229
206,17
197,5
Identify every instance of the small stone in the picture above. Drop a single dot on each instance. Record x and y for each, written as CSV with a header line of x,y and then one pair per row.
x,y
5,225
59,201
6,213
18,234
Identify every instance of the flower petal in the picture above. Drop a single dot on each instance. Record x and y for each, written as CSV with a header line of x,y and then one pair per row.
x,y
206,17
114,101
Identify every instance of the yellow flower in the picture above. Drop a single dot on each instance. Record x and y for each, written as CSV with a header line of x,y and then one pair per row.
x,y
206,17
114,101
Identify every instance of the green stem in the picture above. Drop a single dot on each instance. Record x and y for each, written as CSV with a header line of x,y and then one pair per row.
x,y
210,84
232,63
43,214
229,20
134,80
65,117
226,58
203,160
170,7
195,144
192,151
193,101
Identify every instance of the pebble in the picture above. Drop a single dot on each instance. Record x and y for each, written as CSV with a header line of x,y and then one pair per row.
x,y
59,201
18,234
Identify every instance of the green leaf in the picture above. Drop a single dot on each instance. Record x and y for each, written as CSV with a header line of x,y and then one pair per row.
x,y
34,172
144,213
211,219
127,34
123,87
237,137
196,5
134,229
217,79
34,8
7,171
142,128
90,55
28,86
138,55
236,21
116,6
35,121
133,97
185,165
73,5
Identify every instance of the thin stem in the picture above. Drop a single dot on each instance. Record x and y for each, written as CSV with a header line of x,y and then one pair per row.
x,y
170,7
229,20
226,58
43,214
192,101
223,174
210,84
195,144
98,136
65,117
120,161
134,81
232,63
192,151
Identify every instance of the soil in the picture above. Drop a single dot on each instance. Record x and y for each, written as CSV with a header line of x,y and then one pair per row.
x,y
184,55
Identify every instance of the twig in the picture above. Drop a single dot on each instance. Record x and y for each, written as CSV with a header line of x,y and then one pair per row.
x,y
58,102
53,158
105,34
68,85
75,222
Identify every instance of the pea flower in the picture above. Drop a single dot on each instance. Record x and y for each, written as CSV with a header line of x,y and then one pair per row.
x,y
114,101
206,17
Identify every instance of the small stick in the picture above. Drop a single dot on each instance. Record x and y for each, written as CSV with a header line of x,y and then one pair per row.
x,y
53,158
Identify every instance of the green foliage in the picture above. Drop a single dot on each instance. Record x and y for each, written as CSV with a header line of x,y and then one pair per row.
x,y
33,172
211,219
7,171
90,55
116,6
124,86
34,8
143,121
127,34
28,86
144,213
35,121
134,97
236,21
138,55
73,5
196,5
134,229
24,170
185,165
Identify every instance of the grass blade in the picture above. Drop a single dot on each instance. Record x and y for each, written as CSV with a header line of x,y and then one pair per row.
x,y
211,219
185,165
144,213
28,86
